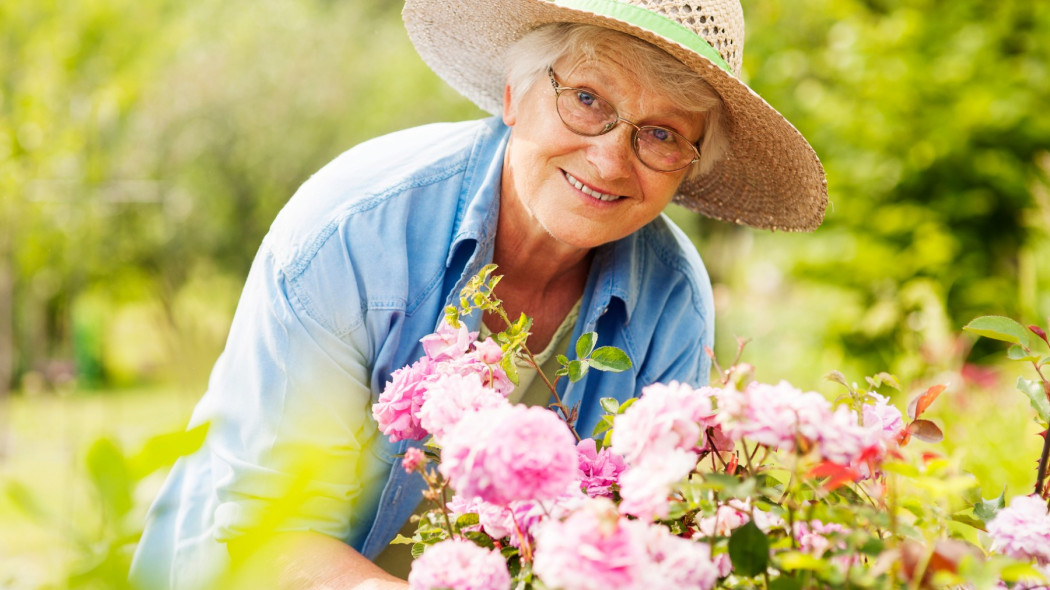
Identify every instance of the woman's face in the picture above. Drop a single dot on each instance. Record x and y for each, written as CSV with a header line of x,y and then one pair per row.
x,y
588,191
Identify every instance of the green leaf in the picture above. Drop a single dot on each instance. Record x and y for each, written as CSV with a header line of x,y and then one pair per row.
x,y
480,539
730,485
798,560
987,509
626,404
1036,396
610,404
999,328
585,345
883,378
402,540
785,583
469,519
27,501
749,550
603,425
873,547
838,377
418,549
161,451
610,358
1016,353
108,469
577,369
510,368
968,520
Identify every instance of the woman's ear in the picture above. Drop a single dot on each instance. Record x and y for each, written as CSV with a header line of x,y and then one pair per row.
x,y
510,110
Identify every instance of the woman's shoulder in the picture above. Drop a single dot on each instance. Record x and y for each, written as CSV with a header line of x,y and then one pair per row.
x,y
381,182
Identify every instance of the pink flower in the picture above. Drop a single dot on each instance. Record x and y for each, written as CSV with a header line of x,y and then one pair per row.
x,y
644,488
459,565
772,415
492,376
488,351
666,417
397,410
448,342
510,453
883,416
844,440
732,515
414,457
674,562
599,470
496,521
1022,530
592,549
450,397
813,536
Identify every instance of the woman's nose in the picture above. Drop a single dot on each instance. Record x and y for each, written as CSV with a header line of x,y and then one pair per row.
x,y
611,153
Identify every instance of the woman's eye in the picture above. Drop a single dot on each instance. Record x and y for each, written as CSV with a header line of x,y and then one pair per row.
x,y
586,98
660,134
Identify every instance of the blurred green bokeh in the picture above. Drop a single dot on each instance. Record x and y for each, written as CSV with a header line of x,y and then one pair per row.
x,y
145,147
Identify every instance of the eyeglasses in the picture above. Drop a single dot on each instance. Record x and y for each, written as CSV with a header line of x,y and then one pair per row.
x,y
586,113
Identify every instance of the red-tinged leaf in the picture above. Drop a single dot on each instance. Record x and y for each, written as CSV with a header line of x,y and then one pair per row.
x,y
928,456
1039,332
837,475
922,402
926,431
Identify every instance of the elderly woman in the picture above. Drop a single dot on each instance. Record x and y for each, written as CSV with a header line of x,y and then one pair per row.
x,y
608,111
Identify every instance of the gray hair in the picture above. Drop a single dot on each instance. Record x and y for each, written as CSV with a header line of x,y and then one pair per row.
x,y
529,57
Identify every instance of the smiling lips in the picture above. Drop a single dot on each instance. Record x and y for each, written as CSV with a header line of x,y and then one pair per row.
x,y
588,190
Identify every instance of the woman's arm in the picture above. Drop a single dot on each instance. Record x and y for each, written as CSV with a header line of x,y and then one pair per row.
x,y
306,561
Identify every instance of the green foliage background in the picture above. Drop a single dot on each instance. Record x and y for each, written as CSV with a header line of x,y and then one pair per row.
x,y
146,146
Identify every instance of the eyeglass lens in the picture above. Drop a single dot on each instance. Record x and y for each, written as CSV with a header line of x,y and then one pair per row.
x,y
660,148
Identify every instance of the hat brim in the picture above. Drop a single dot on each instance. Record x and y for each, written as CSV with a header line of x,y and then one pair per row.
x,y
769,178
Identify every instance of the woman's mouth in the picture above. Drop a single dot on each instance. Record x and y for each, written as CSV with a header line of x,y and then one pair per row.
x,y
588,190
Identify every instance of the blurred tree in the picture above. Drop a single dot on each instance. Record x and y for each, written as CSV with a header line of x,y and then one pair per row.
x,y
143,142
929,118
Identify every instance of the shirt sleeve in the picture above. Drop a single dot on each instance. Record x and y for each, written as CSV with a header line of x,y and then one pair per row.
x,y
292,441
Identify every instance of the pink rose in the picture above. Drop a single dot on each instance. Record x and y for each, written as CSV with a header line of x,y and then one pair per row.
x,y
599,470
459,565
397,409
592,549
510,453
448,342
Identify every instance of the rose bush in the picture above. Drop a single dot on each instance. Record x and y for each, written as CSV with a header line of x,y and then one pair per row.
x,y
738,485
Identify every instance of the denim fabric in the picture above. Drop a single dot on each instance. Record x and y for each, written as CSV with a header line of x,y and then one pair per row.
x,y
356,268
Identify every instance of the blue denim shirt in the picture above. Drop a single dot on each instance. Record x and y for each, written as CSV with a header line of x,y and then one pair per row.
x,y
356,268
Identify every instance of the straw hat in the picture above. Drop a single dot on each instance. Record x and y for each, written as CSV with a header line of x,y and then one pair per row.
x,y
769,178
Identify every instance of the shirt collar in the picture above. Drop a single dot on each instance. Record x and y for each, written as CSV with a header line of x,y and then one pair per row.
x,y
479,200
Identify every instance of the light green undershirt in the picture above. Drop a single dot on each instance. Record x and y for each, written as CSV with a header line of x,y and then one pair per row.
x,y
530,391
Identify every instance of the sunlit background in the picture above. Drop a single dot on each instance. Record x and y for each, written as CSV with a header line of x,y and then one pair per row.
x,y
145,147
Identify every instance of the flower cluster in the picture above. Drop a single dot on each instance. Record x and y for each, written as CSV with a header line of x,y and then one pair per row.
x,y
456,376
691,488
1022,530
780,416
